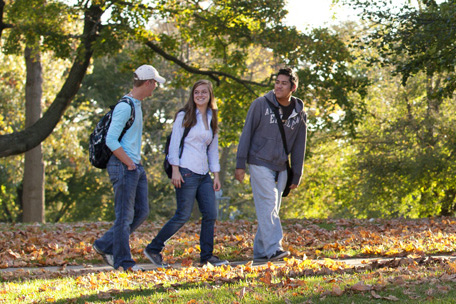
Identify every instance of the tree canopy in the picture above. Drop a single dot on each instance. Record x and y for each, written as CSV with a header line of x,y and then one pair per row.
x,y
379,96
223,31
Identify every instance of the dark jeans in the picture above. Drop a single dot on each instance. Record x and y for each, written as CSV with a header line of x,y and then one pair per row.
x,y
199,187
131,208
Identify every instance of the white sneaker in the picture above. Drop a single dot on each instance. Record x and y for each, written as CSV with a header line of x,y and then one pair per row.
x,y
108,258
135,268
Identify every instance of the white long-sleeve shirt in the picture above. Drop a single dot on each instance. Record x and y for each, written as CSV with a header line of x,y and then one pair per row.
x,y
196,155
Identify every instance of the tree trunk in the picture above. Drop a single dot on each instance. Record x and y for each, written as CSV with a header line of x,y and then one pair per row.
x,y
22,141
33,192
224,164
448,203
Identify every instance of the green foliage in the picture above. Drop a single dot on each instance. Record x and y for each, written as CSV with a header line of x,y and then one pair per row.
x,y
405,164
393,168
39,19
414,39
11,119
72,190
237,44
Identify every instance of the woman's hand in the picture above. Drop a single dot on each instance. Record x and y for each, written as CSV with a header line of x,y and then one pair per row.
x,y
176,178
217,185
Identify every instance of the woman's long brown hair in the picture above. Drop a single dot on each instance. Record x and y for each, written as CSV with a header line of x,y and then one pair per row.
x,y
190,107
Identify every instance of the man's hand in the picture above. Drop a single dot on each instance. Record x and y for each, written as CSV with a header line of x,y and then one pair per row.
x,y
293,186
124,158
131,167
239,174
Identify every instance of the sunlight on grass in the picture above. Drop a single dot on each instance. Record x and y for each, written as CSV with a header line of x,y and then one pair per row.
x,y
312,275
297,281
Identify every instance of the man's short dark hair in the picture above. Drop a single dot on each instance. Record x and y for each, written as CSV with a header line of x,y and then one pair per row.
x,y
290,73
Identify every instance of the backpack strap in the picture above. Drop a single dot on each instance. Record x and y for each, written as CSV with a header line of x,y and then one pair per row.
x,y
131,120
280,124
181,146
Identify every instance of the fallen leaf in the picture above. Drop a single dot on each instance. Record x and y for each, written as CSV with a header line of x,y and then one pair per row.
x,y
391,298
375,295
337,291
187,262
360,286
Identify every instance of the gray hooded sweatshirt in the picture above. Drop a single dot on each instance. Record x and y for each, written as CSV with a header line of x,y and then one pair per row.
x,y
261,142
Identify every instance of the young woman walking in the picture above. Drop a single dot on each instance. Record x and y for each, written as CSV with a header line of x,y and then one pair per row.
x,y
190,175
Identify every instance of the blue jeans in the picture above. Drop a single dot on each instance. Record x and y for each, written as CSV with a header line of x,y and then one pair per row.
x,y
199,187
131,208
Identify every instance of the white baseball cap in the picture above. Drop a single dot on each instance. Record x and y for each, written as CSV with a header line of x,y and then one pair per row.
x,y
146,72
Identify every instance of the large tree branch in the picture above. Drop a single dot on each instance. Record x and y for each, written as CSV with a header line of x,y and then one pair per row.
x,y
215,75
20,142
3,25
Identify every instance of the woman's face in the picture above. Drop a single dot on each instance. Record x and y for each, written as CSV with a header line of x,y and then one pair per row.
x,y
201,96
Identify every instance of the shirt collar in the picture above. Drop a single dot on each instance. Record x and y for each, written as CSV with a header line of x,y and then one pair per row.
x,y
209,112
136,101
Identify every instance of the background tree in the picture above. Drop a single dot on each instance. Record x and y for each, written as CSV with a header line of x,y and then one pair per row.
x,y
22,141
41,17
33,180
412,159
224,29
188,40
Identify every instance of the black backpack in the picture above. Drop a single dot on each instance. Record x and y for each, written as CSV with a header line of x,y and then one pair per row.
x,y
166,165
99,153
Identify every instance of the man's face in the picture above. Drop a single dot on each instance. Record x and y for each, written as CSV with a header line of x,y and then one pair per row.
x,y
283,87
152,84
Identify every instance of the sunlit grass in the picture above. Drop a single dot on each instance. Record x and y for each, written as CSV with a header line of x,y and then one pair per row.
x,y
270,284
309,277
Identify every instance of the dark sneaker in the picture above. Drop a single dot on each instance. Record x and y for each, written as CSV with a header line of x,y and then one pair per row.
x,y
135,268
155,258
261,259
280,254
215,261
108,258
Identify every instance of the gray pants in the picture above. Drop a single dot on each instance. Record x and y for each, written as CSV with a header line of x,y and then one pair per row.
x,y
267,194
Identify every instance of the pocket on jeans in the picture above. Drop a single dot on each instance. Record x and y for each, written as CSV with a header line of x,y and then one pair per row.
x,y
185,172
114,171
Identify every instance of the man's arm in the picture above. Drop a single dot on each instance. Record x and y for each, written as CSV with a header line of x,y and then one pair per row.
x,y
124,158
251,123
120,116
298,153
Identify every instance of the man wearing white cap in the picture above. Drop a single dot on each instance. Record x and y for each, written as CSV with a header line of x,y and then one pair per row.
x,y
127,175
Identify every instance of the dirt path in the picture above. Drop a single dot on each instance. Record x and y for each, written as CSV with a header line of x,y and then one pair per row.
x,y
352,262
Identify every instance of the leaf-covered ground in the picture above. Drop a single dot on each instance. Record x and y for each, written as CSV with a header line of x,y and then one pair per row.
x,y
312,275
71,244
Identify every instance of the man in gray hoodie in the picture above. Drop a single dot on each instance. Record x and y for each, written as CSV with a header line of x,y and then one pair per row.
x,y
261,146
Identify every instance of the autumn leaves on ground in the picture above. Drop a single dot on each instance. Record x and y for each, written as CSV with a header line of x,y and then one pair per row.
x,y
312,275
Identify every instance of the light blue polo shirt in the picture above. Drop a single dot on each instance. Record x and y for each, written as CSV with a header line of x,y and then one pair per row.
x,y
131,141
